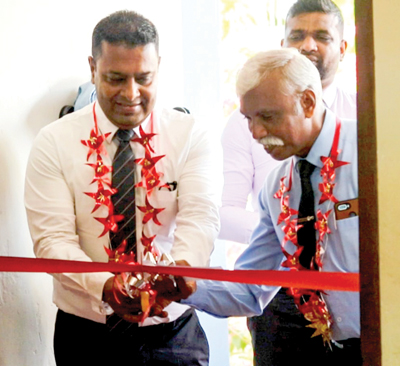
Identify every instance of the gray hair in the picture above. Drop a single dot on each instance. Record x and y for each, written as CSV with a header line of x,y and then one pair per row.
x,y
297,71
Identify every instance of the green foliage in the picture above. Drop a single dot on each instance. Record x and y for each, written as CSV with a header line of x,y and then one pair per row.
x,y
241,351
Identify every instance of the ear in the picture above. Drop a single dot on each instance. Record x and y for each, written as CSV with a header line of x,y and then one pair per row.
x,y
92,64
282,42
308,102
343,48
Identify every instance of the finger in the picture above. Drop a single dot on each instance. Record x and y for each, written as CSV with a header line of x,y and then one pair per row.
x,y
164,284
185,289
158,310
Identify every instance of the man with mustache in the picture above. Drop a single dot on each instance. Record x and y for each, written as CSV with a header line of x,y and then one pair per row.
x,y
122,174
308,215
315,28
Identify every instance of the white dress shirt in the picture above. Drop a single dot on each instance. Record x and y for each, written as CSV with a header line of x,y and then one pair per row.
x,y
59,212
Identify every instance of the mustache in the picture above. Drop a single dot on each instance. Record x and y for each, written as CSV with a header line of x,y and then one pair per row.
x,y
270,141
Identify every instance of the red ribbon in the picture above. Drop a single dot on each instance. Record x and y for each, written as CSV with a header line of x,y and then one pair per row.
x,y
299,279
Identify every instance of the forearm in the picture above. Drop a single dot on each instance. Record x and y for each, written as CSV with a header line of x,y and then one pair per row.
x,y
225,299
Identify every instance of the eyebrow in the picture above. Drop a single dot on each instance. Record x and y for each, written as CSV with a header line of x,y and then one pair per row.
x,y
118,73
302,31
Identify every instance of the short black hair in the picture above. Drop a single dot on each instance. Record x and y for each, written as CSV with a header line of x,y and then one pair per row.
x,y
124,27
316,6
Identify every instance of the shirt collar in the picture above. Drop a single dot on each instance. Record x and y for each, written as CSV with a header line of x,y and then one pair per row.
x,y
323,144
329,94
106,126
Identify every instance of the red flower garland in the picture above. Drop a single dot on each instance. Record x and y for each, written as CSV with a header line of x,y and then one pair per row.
x,y
150,179
310,302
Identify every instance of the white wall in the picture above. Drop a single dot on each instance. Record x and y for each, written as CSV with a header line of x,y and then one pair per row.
x,y
44,48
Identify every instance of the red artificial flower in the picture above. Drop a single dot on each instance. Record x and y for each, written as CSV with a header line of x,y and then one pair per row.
x,y
145,139
148,162
326,187
150,213
118,254
293,261
95,143
330,164
147,243
321,225
319,252
151,180
290,230
102,196
282,189
110,223
286,211
100,170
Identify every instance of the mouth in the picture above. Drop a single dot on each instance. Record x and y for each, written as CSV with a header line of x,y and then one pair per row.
x,y
270,148
129,108
313,59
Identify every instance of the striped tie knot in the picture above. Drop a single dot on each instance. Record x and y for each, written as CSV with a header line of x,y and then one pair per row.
x,y
125,135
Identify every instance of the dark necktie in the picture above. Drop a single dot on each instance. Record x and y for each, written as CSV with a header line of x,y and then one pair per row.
x,y
306,234
123,178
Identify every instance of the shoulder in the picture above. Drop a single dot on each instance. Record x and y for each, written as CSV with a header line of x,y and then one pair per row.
x,y
180,129
69,129
236,125
171,118
79,119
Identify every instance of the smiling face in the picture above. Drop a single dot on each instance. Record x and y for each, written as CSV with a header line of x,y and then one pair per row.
x,y
126,82
317,36
282,123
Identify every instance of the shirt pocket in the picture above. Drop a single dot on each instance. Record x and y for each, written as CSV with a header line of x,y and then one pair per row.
x,y
348,230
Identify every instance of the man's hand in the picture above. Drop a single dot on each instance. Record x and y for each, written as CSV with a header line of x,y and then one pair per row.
x,y
174,288
130,308
126,307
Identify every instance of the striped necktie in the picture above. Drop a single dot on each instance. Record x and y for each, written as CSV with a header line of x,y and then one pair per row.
x,y
123,179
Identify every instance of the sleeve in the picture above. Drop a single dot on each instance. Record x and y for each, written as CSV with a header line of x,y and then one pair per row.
x,y
197,220
50,208
237,223
225,299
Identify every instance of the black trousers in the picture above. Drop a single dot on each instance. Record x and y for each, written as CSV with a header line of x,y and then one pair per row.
x,y
79,341
280,337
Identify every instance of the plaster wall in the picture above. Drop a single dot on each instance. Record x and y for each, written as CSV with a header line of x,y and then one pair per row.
x,y
387,64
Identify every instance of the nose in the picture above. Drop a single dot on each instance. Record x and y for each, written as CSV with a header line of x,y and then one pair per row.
x,y
130,89
308,45
257,130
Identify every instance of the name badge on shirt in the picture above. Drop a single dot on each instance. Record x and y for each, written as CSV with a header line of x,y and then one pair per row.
x,y
346,209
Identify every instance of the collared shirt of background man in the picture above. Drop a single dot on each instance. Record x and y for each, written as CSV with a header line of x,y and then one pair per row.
x,y
71,213
315,28
281,97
